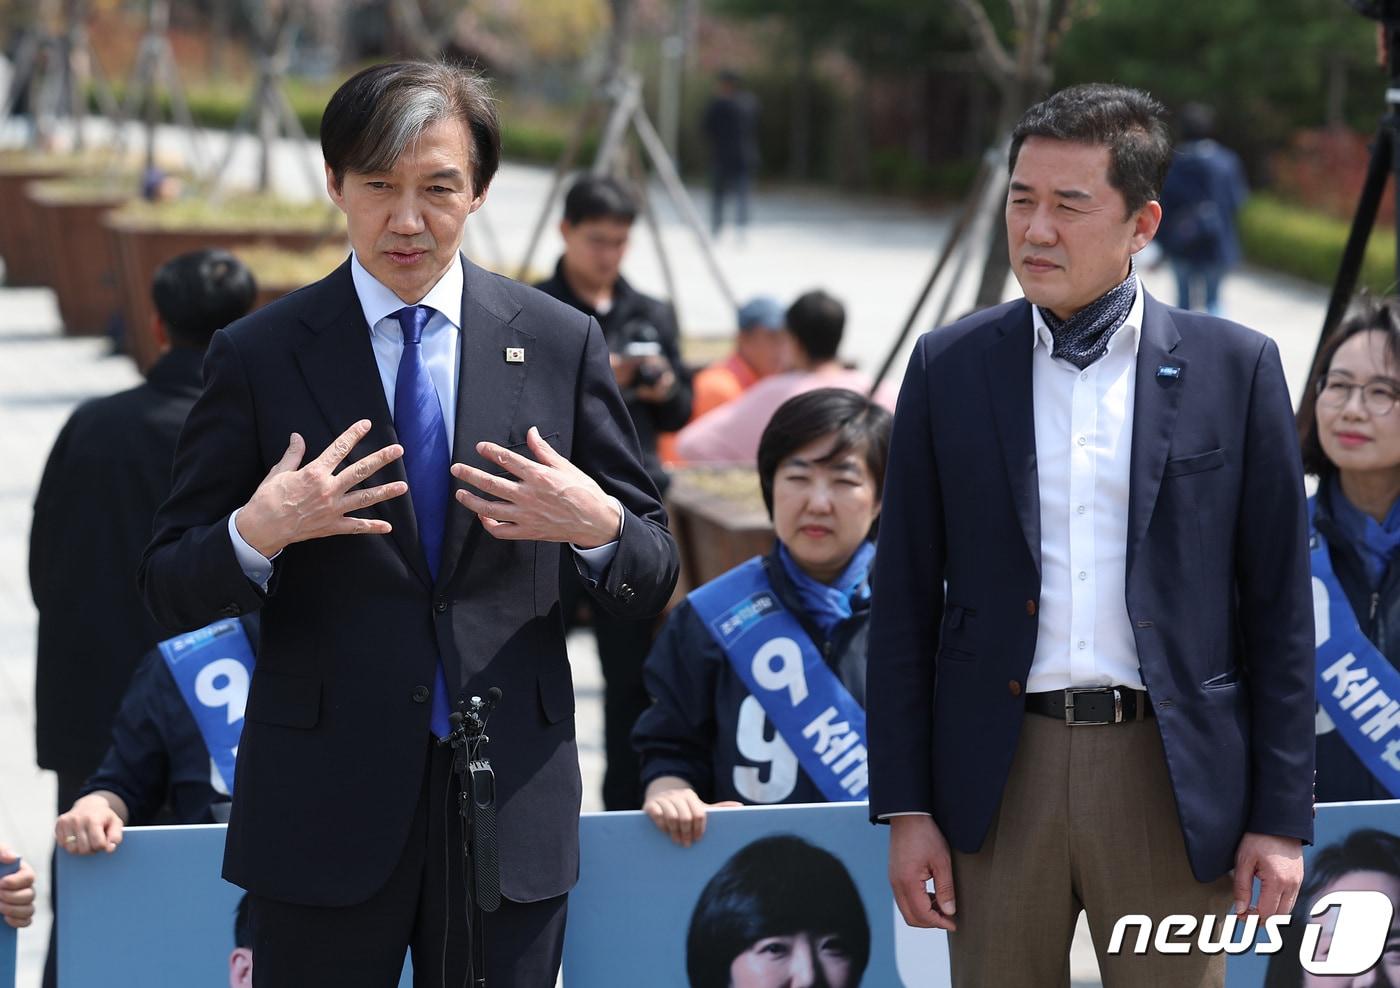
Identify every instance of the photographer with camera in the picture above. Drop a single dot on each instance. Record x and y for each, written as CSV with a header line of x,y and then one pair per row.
x,y
644,346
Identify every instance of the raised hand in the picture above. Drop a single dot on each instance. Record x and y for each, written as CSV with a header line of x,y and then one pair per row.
x,y
297,503
546,501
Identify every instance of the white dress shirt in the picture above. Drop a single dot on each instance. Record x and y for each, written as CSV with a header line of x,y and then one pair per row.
x,y
1083,454
441,342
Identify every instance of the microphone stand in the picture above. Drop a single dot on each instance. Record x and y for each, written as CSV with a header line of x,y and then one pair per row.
x,y
476,804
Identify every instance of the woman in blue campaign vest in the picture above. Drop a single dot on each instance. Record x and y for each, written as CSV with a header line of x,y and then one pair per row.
x,y
1349,424
758,678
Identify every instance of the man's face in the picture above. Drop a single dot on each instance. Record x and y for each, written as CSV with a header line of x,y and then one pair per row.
x,y
406,224
767,351
1068,229
593,250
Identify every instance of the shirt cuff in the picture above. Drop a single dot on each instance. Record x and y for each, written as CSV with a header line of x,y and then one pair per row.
x,y
254,564
890,816
595,560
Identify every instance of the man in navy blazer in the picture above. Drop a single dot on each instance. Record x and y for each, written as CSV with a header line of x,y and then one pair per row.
x,y
383,602
1091,650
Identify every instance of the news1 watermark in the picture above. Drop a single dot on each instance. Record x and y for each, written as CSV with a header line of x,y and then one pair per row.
x,y
1352,939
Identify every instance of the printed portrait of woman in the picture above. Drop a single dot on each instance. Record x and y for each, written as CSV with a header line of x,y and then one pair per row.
x,y
780,912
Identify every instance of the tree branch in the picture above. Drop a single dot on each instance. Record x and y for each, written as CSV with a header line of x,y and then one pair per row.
x,y
984,35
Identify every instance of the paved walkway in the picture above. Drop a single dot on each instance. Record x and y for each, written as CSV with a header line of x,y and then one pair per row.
x,y
873,254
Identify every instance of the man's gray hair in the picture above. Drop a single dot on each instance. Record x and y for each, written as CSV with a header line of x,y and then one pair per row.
x,y
382,110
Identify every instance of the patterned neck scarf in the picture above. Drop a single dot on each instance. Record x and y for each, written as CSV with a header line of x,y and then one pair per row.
x,y
1083,337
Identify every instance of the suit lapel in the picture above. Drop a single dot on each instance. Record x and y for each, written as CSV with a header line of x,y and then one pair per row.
x,y
1156,402
1008,361
337,361
488,392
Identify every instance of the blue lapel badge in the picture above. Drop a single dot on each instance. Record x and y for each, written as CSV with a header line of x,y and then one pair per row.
x,y
1169,373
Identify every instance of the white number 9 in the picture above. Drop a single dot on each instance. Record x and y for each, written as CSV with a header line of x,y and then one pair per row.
x,y
231,693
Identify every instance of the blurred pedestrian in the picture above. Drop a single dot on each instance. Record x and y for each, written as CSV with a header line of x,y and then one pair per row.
x,y
1201,199
731,127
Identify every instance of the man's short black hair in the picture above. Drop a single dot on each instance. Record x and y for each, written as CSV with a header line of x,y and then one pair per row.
x,y
816,321
1129,122
201,292
242,931
383,109
599,197
775,886
857,422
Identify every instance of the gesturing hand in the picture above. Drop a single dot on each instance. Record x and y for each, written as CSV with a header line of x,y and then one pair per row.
x,y
918,852
296,503
547,501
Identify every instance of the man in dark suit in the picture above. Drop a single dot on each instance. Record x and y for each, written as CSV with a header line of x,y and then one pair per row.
x,y
1091,647
383,603
108,472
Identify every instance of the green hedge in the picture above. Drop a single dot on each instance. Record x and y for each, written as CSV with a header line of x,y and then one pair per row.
x,y
525,135
1297,241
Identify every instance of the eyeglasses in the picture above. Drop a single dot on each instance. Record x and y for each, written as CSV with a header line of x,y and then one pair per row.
x,y
1376,397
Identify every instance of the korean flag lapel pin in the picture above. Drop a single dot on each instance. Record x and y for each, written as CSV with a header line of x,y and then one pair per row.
x,y
515,355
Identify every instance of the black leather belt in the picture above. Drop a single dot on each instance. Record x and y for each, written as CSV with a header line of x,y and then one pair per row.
x,y
1082,707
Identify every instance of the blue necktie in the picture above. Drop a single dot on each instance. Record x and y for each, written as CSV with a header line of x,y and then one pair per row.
x,y
418,421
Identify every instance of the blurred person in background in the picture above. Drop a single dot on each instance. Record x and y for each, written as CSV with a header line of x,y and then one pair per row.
x,y
730,434
719,732
731,127
108,472
644,348
1201,198
1349,427
762,348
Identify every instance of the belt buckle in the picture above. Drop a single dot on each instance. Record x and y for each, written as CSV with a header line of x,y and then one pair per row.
x,y
1073,691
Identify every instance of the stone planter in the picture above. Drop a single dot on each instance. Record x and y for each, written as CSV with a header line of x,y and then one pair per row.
x,y
146,237
718,519
81,265
279,271
21,238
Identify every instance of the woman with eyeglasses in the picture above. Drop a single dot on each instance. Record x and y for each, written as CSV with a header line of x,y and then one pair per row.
x,y
1349,425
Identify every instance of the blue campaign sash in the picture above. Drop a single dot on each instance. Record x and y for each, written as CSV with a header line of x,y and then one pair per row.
x,y
212,667
778,661
1357,686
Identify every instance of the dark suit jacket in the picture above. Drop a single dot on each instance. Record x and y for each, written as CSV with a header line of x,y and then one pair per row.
x,y
108,472
332,754
1218,585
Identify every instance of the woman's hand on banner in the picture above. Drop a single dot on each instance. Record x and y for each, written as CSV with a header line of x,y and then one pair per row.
x,y
677,810
93,824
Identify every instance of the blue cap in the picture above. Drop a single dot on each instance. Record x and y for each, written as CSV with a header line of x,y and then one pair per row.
x,y
763,311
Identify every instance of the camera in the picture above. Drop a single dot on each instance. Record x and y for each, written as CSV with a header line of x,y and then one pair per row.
x,y
640,339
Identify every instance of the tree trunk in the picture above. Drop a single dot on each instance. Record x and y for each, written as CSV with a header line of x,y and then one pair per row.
x,y
800,136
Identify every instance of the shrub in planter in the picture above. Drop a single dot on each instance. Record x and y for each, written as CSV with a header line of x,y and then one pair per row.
x,y
80,264
145,235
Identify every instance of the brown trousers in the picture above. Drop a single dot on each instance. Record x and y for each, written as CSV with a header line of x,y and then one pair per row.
x,y
1087,821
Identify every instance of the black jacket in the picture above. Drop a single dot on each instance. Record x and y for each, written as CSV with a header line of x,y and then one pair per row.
x,y
629,305
1340,775
692,728
108,472
353,627
158,762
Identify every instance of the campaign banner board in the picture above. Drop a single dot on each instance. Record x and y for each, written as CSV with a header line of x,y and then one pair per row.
x,y
630,916
9,942
154,913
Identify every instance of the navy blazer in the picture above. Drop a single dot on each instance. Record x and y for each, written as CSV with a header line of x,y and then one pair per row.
x,y
333,748
1218,584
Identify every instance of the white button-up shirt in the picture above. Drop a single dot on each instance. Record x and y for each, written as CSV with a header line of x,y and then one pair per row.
x,y
1083,452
